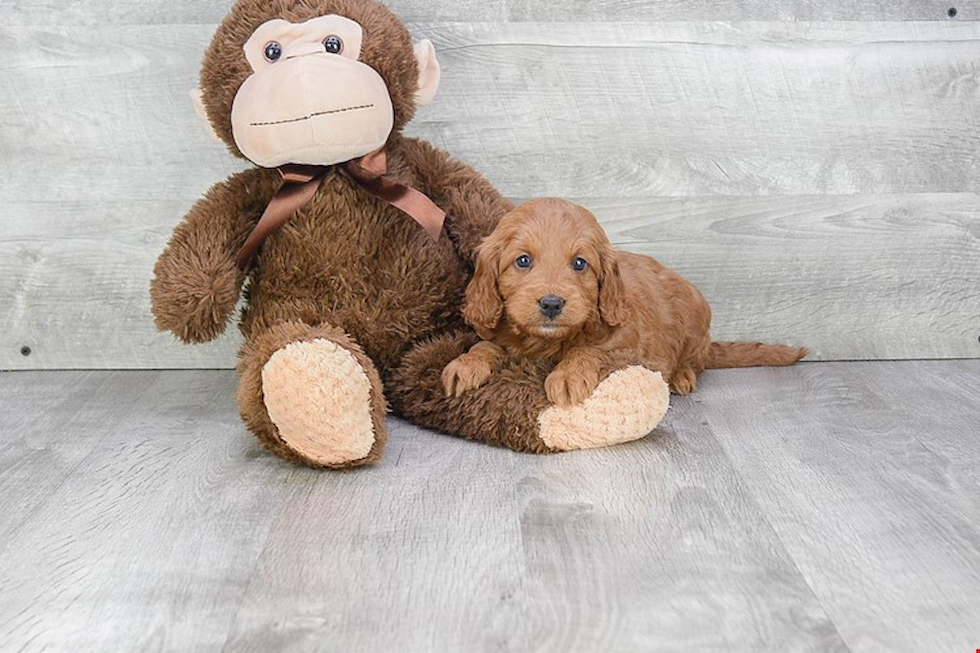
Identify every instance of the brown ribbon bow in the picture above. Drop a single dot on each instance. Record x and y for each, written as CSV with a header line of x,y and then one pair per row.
x,y
301,182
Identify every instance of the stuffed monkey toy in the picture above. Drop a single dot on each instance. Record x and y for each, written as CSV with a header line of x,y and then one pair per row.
x,y
354,245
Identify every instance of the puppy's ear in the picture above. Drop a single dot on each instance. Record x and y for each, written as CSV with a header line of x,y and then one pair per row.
x,y
484,305
612,292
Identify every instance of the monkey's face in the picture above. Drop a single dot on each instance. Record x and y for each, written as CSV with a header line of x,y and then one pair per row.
x,y
313,82
310,99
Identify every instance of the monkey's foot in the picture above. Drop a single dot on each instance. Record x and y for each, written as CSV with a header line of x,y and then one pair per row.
x,y
319,398
624,407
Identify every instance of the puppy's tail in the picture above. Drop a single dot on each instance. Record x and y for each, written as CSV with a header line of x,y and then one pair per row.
x,y
752,354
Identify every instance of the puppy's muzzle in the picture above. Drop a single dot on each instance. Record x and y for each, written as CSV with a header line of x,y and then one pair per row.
x,y
551,306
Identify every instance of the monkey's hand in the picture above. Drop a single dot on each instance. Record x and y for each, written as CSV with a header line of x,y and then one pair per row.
x,y
194,290
196,281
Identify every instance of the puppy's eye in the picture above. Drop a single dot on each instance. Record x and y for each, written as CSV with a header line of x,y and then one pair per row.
x,y
579,264
524,262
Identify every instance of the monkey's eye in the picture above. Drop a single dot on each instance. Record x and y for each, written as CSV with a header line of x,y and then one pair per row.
x,y
273,51
579,264
333,44
524,262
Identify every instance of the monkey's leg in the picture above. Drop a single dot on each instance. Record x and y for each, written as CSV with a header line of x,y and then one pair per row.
x,y
312,396
512,410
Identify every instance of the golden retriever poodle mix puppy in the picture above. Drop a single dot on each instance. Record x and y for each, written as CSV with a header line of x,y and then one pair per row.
x,y
549,286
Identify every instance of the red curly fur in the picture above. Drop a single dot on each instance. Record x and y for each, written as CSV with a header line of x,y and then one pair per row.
x,y
614,302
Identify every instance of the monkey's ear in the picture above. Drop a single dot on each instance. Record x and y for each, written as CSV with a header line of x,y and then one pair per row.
x,y
197,99
429,72
484,305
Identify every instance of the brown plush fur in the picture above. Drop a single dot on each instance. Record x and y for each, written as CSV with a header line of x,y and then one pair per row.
x,y
502,412
348,267
616,302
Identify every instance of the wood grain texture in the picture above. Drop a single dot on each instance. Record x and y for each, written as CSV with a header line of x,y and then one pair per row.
x,y
663,109
81,300
97,12
681,109
37,412
510,552
160,510
882,522
851,277
820,178
825,507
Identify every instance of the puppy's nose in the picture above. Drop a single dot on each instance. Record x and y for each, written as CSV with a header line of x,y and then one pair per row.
x,y
551,305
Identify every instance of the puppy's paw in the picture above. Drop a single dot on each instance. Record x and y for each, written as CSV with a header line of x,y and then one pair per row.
x,y
684,382
626,406
467,372
567,386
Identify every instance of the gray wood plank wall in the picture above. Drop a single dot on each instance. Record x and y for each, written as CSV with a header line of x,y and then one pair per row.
x,y
813,167
98,12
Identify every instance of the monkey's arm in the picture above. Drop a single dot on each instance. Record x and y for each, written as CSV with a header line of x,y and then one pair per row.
x,y
472,205
196,281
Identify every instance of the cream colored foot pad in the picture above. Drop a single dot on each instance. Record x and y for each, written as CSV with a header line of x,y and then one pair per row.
x,y
319,398
626,406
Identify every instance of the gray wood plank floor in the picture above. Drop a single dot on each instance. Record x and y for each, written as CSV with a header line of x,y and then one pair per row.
x,y
830,506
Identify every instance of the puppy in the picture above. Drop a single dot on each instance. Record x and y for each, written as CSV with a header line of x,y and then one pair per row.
x,y
549,286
